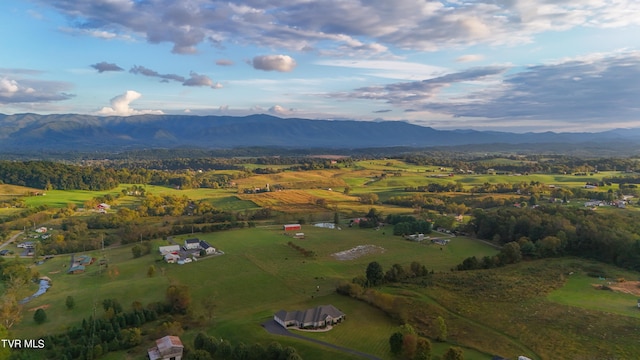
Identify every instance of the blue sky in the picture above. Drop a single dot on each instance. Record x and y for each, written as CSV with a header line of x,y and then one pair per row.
x,y
513,65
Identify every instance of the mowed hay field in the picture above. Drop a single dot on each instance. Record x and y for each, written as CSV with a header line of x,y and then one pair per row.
x,y
258,275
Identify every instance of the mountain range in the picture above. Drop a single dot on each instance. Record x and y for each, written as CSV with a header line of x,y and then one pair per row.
x,y
86,133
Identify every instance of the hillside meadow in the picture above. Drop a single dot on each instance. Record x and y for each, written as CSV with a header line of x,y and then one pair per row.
x,y
257,276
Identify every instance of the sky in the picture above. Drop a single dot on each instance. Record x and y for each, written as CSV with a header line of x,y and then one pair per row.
x,y
508,65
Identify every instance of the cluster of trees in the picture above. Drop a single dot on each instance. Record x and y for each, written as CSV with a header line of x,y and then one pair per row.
x,y
372,219
407,344
555,231
208,348
375,275
116,330
405,224
436,187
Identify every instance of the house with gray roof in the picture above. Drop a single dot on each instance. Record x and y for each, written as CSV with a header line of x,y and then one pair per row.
x,y
318,317
167,348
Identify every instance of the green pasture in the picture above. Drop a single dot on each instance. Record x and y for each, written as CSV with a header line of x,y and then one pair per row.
x,y
393,165
258,275
581,290
232,203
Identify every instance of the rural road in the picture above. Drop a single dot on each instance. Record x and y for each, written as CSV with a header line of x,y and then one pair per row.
x,y
274,328
11,239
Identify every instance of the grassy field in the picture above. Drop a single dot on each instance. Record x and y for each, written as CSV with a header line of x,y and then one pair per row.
x,y
508,312
257,276
532,308
581,291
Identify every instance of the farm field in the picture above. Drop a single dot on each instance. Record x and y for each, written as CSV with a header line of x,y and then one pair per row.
x,y
544,309
258,275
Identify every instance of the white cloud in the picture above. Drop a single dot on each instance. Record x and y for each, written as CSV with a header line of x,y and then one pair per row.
x,y
340,27
281,63
120,105
470,58
279,110
8,87
25,90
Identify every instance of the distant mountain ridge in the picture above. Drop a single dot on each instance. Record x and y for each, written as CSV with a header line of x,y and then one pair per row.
x,y
75,132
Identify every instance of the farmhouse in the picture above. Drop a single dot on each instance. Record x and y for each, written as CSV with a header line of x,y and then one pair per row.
x,y
208,249
292,227
318,317
192,244
167,348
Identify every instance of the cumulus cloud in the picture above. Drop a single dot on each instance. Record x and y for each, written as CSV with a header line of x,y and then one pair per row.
x,y
136,69
105,66
281,63
339,26
120,105
279,110
23,90
224,62
196,79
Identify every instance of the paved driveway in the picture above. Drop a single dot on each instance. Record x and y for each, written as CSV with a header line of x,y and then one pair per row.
x,y
274,328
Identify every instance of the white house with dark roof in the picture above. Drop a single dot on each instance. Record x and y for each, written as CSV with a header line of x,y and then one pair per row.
x,y
167,348
318,317
192,244
208,249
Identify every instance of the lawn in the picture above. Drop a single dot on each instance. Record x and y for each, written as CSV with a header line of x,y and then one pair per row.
x,y
580,291
258,275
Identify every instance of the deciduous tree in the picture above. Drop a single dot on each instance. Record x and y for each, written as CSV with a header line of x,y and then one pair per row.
x,y
374,273
453,353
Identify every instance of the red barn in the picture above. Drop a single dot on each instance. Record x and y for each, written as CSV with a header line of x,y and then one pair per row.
x,y
292,227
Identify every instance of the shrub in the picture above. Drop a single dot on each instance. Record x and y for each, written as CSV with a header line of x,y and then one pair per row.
x,y
40,316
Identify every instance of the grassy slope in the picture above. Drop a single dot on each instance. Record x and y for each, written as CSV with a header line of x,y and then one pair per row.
x,y
258,275
506,311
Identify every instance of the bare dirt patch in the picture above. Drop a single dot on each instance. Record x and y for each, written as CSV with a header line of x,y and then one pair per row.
x,y
628,287
43,307
357,252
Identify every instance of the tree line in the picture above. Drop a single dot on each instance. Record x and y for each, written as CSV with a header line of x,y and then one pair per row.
x,y
548,231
